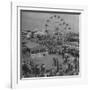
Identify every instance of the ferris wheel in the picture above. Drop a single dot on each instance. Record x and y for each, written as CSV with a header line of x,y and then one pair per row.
x,y
56,23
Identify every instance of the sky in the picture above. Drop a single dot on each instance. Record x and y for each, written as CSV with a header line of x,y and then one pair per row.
x,y
37,20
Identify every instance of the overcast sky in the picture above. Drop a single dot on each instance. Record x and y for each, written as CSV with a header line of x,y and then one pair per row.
x,y
36,20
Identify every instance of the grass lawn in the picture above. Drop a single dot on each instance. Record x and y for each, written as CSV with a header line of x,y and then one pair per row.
x,y
47,60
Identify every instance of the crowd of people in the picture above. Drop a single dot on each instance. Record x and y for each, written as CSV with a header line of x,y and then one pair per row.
x,y
70,66
55,44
